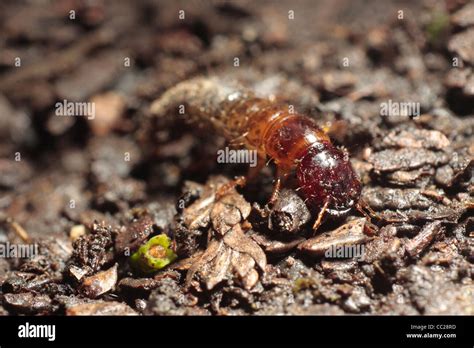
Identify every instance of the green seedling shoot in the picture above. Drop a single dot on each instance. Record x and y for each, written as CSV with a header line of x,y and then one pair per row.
x,y
153,255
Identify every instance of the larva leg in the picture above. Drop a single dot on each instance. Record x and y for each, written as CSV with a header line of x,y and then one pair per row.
x,y
276,191
224,189
281,176
318,221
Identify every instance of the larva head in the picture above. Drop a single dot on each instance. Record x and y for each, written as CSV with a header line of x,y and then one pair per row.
x,y
325,174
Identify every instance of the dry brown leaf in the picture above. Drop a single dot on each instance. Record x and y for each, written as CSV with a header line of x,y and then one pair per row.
x,y
242,243
348,234
229,211
197,215
230,254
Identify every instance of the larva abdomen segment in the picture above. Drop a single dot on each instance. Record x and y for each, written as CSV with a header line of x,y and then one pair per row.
x,y
236,113
203,100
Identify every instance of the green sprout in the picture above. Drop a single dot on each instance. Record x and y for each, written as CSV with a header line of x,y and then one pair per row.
x,y
153,255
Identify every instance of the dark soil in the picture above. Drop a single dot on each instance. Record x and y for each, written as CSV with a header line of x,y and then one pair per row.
x,y
89,192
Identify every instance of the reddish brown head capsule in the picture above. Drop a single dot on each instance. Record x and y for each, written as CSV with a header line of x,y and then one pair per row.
x,y
326,175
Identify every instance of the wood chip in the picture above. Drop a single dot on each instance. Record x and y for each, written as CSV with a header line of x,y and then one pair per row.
x,y
349,234
421,241
100,283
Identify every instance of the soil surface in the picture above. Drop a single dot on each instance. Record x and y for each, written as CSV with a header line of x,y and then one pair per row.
x,y
88,192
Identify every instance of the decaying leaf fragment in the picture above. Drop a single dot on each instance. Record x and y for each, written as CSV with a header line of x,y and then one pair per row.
x,y
412,205
417,245
228,211
198,214
415,138
405,159
349,234
231,255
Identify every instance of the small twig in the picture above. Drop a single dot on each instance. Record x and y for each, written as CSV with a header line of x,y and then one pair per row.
x,y
20,231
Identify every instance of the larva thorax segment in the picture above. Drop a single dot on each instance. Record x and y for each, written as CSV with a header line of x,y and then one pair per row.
x,y
272,130
289,136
